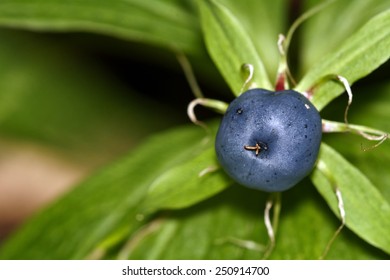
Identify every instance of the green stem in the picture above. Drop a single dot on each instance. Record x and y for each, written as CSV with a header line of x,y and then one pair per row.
x,y
189,74
274,201
302,19
277,197
323,168
218,106
332,127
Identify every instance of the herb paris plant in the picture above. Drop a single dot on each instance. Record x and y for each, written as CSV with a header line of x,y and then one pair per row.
x,y
116,213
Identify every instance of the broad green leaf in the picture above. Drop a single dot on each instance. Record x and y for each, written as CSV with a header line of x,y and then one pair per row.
x,y
76,225
188,183
306,226
230,46
358,56
202,231
219,227
325,31
170,23
263,21
367,212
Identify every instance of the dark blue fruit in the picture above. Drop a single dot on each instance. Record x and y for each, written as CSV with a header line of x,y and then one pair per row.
x,y
269,140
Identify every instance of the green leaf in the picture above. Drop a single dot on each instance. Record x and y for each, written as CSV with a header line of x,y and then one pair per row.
x,y
367,212
202,231
306,227
263,21
188,183
230,46
337,22
360,54
170,24
76,225
219,227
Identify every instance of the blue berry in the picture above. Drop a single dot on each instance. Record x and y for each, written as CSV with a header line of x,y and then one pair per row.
x,y
269,140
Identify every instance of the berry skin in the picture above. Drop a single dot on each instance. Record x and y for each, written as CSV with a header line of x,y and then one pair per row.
x,y
269,140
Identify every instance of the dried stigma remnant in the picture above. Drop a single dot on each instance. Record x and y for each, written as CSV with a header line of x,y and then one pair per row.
x,y
257,148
